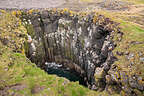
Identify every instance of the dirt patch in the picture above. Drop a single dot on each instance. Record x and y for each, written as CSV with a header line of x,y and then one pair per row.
x,y
37,89
16,87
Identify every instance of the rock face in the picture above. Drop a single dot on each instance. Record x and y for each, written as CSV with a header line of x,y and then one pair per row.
x,y
80,44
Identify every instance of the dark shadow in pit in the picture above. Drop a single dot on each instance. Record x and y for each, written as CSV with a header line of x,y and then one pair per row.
x,y
63,72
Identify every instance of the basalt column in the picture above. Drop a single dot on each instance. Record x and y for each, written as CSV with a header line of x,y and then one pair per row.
x,y
81,43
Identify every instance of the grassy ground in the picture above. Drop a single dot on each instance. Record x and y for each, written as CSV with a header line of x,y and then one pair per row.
x,y
135,1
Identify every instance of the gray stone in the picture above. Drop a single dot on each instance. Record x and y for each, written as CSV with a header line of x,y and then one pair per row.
x,y
99,73
142,59
46,21
140,53
127,53
134,84
120,53
131,55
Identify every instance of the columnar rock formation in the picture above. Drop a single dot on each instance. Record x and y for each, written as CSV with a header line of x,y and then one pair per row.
x,y
82,44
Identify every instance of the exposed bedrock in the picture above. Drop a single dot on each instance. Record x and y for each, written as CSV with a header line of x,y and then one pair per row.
x,y
81,44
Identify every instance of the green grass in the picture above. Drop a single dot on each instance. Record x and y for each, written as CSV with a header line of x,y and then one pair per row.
x,y
136,1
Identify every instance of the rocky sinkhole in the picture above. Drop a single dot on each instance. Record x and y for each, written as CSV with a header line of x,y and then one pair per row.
x,y
78,45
